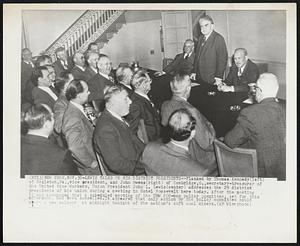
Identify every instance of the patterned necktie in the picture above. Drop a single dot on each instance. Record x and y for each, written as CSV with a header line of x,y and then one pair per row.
x,y
111,79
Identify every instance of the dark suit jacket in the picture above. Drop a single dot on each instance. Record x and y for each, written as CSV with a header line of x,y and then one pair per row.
x,y
40,96
179,64
170,160
59,109
129,90
141,108
89,73
201,146
26,82
118,146
96,86
262,127
40,157
79,74
249,75
210,58
58,67
79,132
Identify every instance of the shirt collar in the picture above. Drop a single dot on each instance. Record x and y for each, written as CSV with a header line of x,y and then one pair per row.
x,y
180,146
115,115
104,75
94,69
80,67
206,37
38,134
143,95
128,86
49,91
80,107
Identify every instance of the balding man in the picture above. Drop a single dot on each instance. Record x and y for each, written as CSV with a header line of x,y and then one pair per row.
x,y
262,127
113,139
78,70
174,158
183,62
201,146
242,72
124,76
91,70
99,81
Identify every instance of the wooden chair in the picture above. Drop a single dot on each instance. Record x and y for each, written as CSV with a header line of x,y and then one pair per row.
x,y
235,162
142,134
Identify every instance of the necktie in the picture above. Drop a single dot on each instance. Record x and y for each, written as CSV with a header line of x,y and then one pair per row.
x,y
125,122
111,79
239,71
90,115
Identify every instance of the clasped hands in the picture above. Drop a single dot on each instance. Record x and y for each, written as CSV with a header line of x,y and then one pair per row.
x,y
222,86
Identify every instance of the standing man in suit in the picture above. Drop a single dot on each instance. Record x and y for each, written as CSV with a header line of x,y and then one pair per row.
x,y
201,146
91,70
38,155
183,62
78,70
42,92
174,158
43,60
262,127
142,107
27,68
242,72
78,130
124,75
99,81
211,54
113,139
63,62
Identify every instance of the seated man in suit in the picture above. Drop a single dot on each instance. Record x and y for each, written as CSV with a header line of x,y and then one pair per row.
x,y
183,62
201,146
63,62
174,158
142,107
91,70
99,81
42,92
27,68
78,70
262,127
242,73
78,130
124,75
113,139
38,155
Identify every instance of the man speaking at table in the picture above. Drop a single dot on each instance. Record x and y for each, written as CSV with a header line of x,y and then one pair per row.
x,y
242,72
262,127
211,54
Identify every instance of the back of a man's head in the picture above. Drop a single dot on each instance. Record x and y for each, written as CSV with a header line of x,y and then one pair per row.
x,y
74,88
139,77
181,124
124,75
268,84
180,85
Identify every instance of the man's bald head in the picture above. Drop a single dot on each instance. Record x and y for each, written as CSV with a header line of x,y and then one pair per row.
x,y
267,86
78,59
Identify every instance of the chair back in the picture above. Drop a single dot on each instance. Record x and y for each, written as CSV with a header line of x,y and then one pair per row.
x,y
142,134
235,162
101,164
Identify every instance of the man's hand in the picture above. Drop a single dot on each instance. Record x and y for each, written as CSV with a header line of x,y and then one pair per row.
x,y
218,81
226,88
94,164
193,76
159,73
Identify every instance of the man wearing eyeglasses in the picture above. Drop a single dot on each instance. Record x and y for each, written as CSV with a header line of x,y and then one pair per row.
x,y
174,158
262,127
